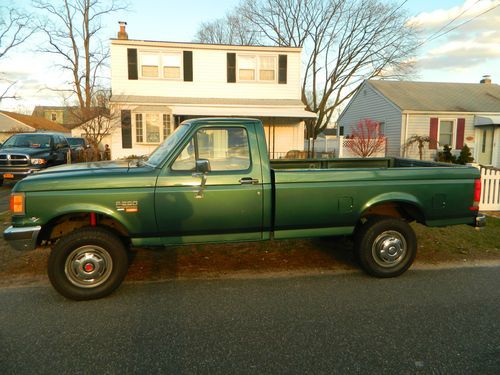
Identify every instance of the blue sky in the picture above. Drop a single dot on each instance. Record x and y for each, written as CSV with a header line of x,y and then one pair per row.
x,y
463,55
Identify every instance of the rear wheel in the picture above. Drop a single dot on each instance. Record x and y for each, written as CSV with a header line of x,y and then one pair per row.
x,y
385,247
88,263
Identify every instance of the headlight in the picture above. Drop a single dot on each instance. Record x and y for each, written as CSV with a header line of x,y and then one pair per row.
x,y
38,161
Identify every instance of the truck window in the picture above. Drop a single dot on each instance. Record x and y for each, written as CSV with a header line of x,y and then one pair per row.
x,y
225,148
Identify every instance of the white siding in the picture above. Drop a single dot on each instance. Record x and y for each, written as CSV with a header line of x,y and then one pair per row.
x,y
288,134
419,124
369,104
209,76
283,135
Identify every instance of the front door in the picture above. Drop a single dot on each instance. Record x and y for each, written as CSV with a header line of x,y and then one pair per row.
x,y
485,145
230,205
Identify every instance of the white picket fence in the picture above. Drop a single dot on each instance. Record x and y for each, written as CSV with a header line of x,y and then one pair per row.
x,y
490,189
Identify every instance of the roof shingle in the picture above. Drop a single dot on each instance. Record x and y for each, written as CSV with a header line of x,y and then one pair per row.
x,y
440,96
39,123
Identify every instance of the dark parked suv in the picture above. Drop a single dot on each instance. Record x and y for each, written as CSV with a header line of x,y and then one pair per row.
x,y
25,153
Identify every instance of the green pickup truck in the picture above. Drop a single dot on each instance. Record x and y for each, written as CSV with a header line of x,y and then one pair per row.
x,y
212,181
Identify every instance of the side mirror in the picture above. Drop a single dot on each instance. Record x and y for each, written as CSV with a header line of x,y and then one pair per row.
x,y
202,166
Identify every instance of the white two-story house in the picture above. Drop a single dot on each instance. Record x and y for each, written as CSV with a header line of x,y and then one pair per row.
x,y
157,85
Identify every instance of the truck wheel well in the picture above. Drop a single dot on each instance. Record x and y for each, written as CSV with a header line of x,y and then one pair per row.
x,y
67,223
401,210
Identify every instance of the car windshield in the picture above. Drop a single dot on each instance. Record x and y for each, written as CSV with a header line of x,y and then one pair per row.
x,y
161,152
76,141
28,141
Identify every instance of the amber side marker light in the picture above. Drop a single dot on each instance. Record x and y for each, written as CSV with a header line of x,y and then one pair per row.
x,y
17,203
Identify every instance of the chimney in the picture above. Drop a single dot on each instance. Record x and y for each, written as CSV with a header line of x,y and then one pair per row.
x,y
486,79
122,34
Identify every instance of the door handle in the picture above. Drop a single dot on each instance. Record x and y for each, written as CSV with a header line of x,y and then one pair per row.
x,y
249,181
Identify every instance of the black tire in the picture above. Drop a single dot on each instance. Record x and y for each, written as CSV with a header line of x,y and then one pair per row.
x,y
385,246
88,263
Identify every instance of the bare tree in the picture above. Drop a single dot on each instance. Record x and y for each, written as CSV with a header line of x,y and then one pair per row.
x,y
344,42
72,31
420,141
230,29
366,139
15,29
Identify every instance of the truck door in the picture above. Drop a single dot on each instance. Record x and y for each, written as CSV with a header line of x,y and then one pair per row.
x,y
222,202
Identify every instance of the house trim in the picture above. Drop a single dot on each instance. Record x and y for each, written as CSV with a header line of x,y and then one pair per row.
x,y
177,45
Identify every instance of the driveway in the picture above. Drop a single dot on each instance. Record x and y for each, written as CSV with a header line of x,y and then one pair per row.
x,y
4,195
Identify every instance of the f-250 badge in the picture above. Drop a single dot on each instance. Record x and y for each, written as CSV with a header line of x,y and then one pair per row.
x,y
127,206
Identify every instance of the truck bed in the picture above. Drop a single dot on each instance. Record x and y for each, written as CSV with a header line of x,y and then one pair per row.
x,y
332,194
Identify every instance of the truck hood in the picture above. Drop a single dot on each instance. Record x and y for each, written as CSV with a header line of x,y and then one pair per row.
x,y
88,176
91,166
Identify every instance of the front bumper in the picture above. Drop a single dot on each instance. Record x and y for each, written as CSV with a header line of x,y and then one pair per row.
x,y
480,221
18,172
22,238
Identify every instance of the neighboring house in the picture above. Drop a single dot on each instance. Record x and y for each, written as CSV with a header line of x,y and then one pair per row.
x,y
449,113
157,85
13,123
65,115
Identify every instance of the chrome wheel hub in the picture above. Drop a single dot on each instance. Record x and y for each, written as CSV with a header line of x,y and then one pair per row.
x,y
88,266
389,248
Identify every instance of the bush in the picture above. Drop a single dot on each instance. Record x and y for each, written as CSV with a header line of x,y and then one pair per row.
x,y
446,155
465,156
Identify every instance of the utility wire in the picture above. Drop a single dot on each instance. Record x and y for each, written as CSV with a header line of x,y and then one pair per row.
x,y
435,35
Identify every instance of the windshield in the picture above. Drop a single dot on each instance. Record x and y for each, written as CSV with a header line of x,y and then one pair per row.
x,y
76,141
28,140
161,152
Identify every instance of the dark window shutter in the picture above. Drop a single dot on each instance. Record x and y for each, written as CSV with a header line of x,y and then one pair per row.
x,y
126,129
187,57
460,133
231,67
132,63
282,68
433,133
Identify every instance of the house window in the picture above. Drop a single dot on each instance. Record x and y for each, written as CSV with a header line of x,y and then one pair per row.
x,y
446,133
153,126
139,135
167,125
53,116
246,68
171,65
149,65
161,65
267,68
257,68
483,143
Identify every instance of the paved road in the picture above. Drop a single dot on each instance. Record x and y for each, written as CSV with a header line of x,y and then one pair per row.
x,y
445,321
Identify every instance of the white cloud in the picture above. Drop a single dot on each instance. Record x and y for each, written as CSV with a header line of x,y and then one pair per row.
x,y
475,43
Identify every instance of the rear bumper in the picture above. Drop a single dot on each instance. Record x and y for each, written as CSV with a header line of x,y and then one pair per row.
x,y
22,238
480,221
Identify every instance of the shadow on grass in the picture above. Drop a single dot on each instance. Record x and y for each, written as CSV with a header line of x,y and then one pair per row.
x,y
219,260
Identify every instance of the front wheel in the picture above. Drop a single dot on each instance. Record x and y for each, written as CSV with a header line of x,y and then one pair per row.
x,y
385,247
88,263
